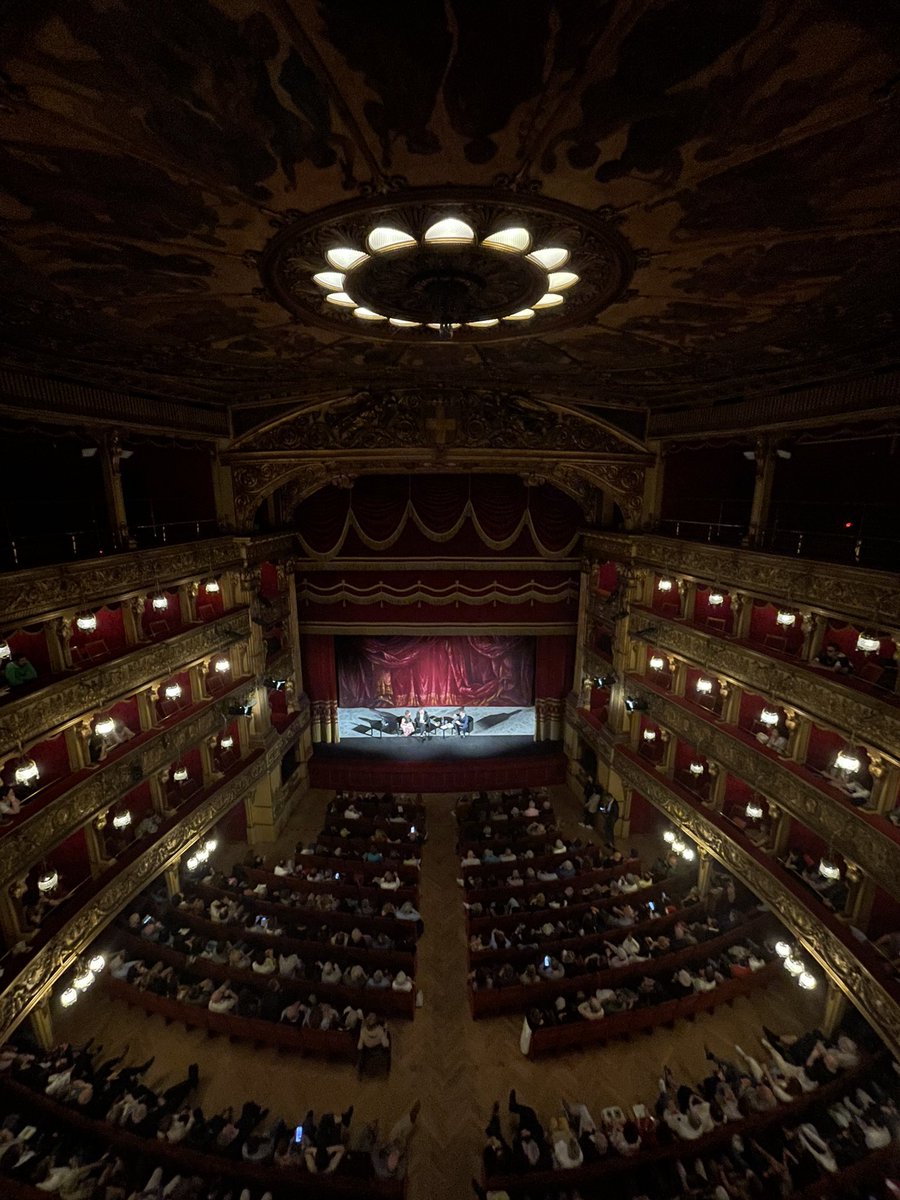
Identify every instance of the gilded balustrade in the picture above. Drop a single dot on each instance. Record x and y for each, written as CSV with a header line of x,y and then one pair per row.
x,y
869,597
44,592
59,954
29,842
853,977
824,698
839,825
43,713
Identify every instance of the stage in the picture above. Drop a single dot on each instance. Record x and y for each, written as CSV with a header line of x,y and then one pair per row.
x,y
380,724
437,764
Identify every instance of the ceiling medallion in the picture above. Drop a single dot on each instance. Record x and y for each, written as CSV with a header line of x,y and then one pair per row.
x,y
461,263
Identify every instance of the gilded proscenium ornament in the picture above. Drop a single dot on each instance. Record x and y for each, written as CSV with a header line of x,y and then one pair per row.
x,y
852,976
824,697
827,588
28,842
44,712
61,951
836,823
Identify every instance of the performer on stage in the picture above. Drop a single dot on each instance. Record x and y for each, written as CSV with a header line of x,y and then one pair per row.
x,y
407,728
422,723
462,722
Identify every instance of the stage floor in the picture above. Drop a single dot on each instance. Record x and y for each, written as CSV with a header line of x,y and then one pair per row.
x,y
364,723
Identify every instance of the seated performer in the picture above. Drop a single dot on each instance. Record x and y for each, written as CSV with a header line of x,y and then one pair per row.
x,y
462,722
423,722
407,728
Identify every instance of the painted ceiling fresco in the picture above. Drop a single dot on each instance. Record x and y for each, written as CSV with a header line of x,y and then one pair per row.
x,y
747,152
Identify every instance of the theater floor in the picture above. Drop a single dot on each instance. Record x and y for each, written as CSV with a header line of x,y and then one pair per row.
x,y
455,1066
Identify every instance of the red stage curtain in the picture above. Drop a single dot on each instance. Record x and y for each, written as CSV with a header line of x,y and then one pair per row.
x,y
319,678
554,665
397,672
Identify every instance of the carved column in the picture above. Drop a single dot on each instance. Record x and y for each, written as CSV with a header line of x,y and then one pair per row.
x,y
59,633
223,490
584,596
718,780
76,739
172,878
835,1009
147,711
666,765
133,620
158,794
688,592
731,701
197,677
741,614
208,768
41,1021
187,599
294,632
762,491
111,469
654,480
885,784
679,677
704,873
12,916
813,625
96,846
860,897
799,730
780,835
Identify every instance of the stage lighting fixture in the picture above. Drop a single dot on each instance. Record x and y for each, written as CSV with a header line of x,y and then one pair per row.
x,y
635,704
241,710
277,685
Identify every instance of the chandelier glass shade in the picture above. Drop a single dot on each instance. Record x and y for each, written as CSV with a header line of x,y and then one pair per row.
x,y
446,277
829,869
27,772
704,686
664,585
68,997
715,599
769,716
657,662
227,742
159,602
105,726
793,965
785,618
868,643
180,774
806,980
5,651
172,691
122,819
222,665
86,621
696,768
669,836
649,735
48,881
211,586
754,810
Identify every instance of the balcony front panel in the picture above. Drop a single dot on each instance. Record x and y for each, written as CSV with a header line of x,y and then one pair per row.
x,y
823,697
54,958
29,842
840,825
832,947
46,711
821,587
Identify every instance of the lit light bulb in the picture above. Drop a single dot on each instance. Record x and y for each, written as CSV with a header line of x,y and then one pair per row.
x,y
649,735
696,768
704,686
716,599
122,820
769,716
664,585
785,618
27,772
669,836
806,980
688,854
83,979
782,949
679,846
172,691
193,862
211,845
97,963
846,760
222,665
68,998
868,643
754,810
657,662
211,586
105,726
227,742
86,622
180,774
160,602
794,966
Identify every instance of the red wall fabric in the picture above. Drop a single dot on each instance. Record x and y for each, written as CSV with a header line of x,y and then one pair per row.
x,y
607,579
408,671
823,747
704,612
110,629
161,624
34,646
765,630
209,606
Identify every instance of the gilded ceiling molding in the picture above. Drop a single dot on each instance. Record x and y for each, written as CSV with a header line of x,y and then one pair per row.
x,y
44,713
824,698
29,842
60,953
840,825
872,597
865,991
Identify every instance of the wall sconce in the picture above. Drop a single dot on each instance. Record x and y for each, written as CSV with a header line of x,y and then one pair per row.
x,y
769,716
715,599
657,662
105,726
664,585
86,621
172,691
868,643
846,760
704,686
785,618
122,819
222,665
27,772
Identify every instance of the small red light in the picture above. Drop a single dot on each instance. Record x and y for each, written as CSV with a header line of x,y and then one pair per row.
x,y
848,524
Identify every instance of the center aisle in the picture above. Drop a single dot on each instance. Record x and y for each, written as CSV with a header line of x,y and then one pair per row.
x,y
443,1055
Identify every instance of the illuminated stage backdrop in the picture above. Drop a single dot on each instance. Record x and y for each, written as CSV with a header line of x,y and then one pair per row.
x,y
400,672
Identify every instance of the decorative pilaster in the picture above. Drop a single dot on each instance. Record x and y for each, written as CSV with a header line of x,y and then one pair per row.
x,y
111,469
59,633
41,1022
762,491
96,846
835,1009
